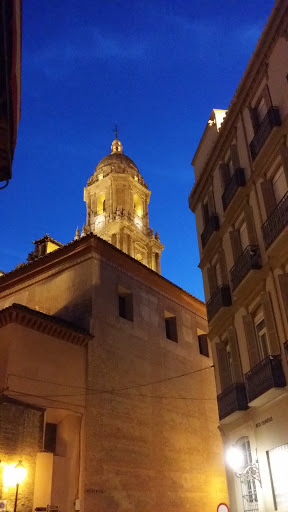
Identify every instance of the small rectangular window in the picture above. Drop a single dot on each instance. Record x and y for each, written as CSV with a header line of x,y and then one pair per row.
x,y
171,327
125,304
203,345
50,437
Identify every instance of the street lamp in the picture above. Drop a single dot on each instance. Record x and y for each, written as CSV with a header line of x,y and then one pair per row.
x,y
235,459
20,474
14,475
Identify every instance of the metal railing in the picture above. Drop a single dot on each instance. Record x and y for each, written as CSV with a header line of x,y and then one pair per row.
x,y
265,375
232,399
220,298
276,222
271,119
211,226
250,259
237,180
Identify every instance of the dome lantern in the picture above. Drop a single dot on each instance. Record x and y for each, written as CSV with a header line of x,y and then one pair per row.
x,y
116,146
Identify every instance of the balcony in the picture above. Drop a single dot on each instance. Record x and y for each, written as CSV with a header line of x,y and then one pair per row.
x,y
211,226
271,119
220,298
265,376
237,180
250,259
276,222
231,400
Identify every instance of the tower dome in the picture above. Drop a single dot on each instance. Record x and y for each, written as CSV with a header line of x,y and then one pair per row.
x,y
116,161
117,199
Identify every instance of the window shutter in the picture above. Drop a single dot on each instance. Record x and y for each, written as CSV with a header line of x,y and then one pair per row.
x,y
225,174
212,279
233,344
249,219
236,244
270,323
283,282
223,366
251,340
268,196
254,118
235,156
211,203
284,157
223,266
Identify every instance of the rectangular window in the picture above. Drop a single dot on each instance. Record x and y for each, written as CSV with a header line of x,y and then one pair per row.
x,y
203,345
171,327
244,236
125,303
261,110
279,185
278,465
224,365
218,273
230,165
205,213
262,339
50,437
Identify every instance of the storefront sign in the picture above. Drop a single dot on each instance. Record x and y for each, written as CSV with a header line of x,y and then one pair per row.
x,y
94,491
264,422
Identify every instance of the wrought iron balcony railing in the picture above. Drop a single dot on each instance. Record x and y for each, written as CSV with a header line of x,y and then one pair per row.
x,y
220,298
211,226
264,376
232,399
276,222
250,259
271,119
237,180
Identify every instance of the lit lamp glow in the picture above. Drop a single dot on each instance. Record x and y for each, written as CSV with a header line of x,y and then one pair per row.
x,y
235,458
236,461
13,476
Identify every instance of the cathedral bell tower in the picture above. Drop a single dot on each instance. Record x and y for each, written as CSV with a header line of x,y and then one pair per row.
x,y
117,199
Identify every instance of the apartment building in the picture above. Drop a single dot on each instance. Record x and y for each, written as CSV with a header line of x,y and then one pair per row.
x,y
240,199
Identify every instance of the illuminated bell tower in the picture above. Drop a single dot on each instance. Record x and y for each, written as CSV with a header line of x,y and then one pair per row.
x,y
117,199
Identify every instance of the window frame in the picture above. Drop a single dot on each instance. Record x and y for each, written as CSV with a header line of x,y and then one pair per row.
x,y
171,330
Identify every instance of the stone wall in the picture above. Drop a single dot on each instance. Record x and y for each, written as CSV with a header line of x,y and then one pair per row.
x,y
21,434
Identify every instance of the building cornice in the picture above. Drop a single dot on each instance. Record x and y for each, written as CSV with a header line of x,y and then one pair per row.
x,y
46,324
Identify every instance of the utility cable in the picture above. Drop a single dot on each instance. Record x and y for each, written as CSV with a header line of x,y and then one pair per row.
x,y
44,397
95,390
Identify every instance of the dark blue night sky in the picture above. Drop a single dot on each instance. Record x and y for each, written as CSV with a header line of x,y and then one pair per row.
x,y
158,68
